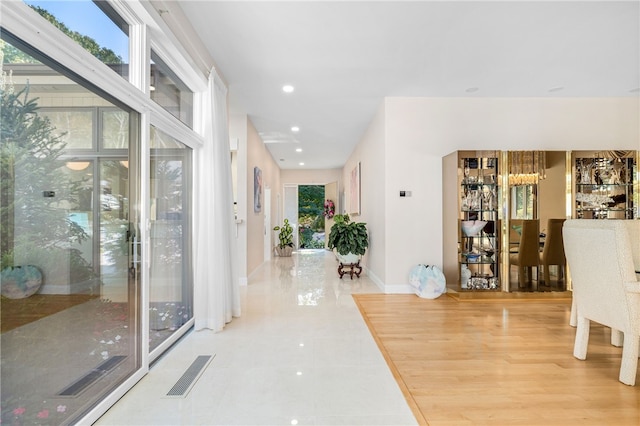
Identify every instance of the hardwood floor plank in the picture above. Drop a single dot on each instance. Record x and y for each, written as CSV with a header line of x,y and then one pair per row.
x,y
498,361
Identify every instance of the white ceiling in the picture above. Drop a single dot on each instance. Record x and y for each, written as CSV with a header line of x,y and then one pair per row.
x,y
344,57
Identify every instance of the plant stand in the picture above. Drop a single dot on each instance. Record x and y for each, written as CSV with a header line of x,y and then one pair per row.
x,y
350,268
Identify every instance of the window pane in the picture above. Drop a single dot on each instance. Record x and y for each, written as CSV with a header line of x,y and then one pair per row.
x,y
73,127
170,92
170,279
115,129
93,25
66,242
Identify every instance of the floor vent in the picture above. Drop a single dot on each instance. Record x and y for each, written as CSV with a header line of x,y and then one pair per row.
x,y
189,378
92,376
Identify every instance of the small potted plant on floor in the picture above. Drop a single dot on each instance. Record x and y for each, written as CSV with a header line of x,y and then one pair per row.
x,y
285,239
349,241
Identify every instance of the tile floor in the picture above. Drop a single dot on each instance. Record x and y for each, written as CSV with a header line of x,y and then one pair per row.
x,y
299,354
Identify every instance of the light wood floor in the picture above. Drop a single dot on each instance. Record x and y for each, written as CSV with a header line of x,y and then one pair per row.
x,y
498,362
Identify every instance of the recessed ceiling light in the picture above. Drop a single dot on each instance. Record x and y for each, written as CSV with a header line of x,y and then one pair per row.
x,y
471,89
298,149
295,129
556,89
302,164
287,88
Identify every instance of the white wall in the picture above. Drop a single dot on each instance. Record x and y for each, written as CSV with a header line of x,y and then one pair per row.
x,y
311,177
405,142
252,153
238,132
371,152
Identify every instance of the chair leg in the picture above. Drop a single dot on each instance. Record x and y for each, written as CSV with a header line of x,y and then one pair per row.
x,y
521,276
547,275
629,365
582,338
617,338
573,318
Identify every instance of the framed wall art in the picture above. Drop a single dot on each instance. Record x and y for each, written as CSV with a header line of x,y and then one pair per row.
x,y
354,190
257,190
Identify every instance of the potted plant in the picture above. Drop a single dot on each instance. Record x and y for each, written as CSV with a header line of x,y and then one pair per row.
x,y
285,239
349,240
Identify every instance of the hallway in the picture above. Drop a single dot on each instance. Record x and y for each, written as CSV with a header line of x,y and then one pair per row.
x,y
299,354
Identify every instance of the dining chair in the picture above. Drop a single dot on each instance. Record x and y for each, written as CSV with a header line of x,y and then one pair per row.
x,y
605,287
553,250
515,230
528,255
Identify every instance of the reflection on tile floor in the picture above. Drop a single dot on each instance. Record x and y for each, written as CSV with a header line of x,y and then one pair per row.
x,y
299,354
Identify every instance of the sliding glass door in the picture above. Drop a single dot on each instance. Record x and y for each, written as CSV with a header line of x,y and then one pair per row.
x,y
170,276
70,307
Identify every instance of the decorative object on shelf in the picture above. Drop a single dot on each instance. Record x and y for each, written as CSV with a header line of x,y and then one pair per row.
x,y
428,281
490,227
594,200
584,171
465,276
285,239
471,200
605,187
19,282
471,228
526,167
329,209
346,238
483,283
472,257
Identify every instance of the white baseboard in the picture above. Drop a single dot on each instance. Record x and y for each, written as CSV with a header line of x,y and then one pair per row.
x,y
377,281
399,289
389,288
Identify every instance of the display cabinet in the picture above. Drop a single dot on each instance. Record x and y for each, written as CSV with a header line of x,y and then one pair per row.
x,y
604,185
477,249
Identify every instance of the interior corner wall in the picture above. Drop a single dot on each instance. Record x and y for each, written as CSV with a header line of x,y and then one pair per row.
x,y
259,156
238,132
252,153
420,131
370,153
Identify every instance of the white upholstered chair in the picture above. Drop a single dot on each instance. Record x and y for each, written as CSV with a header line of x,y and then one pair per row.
x,y
605,287
633,229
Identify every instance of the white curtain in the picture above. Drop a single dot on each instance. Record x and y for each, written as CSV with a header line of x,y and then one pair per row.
x,y
216,289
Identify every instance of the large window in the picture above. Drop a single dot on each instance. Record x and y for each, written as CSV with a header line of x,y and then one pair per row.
x,y
94,25
69,326
169,91
523,202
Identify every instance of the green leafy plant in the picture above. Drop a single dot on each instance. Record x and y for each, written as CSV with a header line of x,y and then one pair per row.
x,y
29,147
285,236
348,237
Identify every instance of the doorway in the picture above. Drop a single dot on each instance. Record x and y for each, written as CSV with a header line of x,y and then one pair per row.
x,y
311,216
